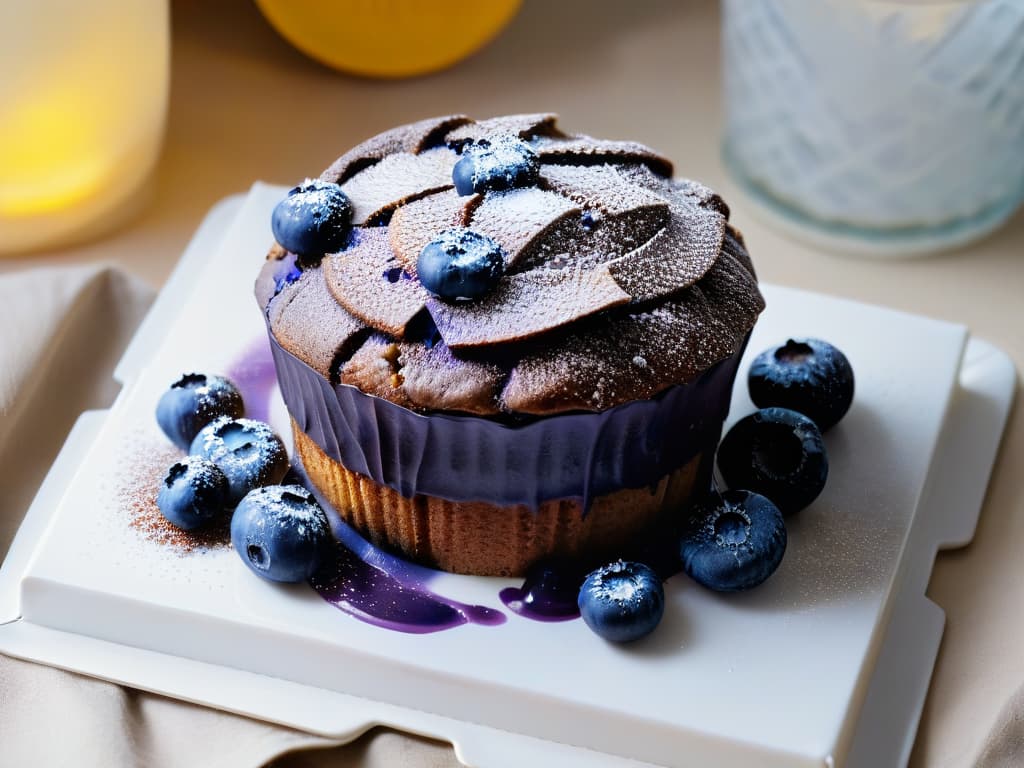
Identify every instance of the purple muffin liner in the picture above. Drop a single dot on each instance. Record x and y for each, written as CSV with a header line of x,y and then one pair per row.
x,y
473,458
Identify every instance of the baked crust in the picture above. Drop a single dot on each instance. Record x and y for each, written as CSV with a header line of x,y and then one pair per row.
x,y
491,540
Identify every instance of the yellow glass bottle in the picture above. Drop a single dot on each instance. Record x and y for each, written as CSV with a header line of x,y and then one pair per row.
x,y
388,38
82,110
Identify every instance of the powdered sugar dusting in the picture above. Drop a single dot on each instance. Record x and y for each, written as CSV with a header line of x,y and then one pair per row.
x,y
502,162
144,467
615,285
520,219
416,224
397,179
201,472
675,258
581,149
601,187
526,305
594,368
356,279
321,341
705,197
240,444
521,126
413,138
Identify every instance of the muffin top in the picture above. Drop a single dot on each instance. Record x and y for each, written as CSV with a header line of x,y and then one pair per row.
x,y
611,281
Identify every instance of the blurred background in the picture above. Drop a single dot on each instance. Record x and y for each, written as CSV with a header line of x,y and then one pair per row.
x,y
244,104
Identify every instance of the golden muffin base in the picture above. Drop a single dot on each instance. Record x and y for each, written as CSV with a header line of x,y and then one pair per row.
x,y
485,539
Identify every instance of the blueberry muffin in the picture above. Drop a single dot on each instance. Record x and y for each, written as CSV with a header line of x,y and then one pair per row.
x,y
500,342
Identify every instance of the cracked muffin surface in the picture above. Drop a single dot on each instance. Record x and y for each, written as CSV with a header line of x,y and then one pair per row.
x,y
618,280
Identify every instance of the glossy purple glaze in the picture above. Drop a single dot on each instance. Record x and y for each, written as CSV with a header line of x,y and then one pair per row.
x,y
374,595
383,589
549,593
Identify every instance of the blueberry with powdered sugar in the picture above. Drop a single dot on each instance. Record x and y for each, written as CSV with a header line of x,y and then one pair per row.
x,y
497,164
313,219
193,494
460,265
281,533
192,402
248,452
733,541
622,601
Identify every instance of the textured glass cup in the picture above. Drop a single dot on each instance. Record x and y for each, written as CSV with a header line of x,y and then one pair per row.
x,y
83,101
882,128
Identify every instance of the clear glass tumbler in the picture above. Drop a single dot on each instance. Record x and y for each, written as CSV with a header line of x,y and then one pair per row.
x,y
884,128
83,100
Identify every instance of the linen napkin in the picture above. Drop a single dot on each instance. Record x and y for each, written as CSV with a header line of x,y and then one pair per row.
x,y
62,333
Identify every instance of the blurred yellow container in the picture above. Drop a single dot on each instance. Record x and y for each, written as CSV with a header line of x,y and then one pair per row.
x,y
83,101
388,38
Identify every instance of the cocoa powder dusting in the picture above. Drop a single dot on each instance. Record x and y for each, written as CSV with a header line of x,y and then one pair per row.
x,y
145,465
608,260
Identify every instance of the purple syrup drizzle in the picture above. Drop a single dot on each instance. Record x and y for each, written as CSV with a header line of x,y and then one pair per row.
x,y
254,375
288,270
383,589
361,580
377,597
549,593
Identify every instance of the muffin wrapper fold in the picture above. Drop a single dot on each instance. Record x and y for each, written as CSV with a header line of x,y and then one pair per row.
x,y
470,458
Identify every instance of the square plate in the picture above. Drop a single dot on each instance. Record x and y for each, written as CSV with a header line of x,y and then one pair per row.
x,y
775,677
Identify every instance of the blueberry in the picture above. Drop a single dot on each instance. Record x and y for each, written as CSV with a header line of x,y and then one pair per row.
x,y
313,219
248,453
192,402
733,541
778,453
622,601
193,494
462,175
460,264
504,162
805,375
281,533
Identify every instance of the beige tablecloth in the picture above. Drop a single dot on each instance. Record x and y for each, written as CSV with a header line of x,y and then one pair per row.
x,y
63,332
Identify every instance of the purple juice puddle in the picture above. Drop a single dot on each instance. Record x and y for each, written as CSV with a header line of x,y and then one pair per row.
x,y
549,592
383,589
551,588
377,597
254,375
